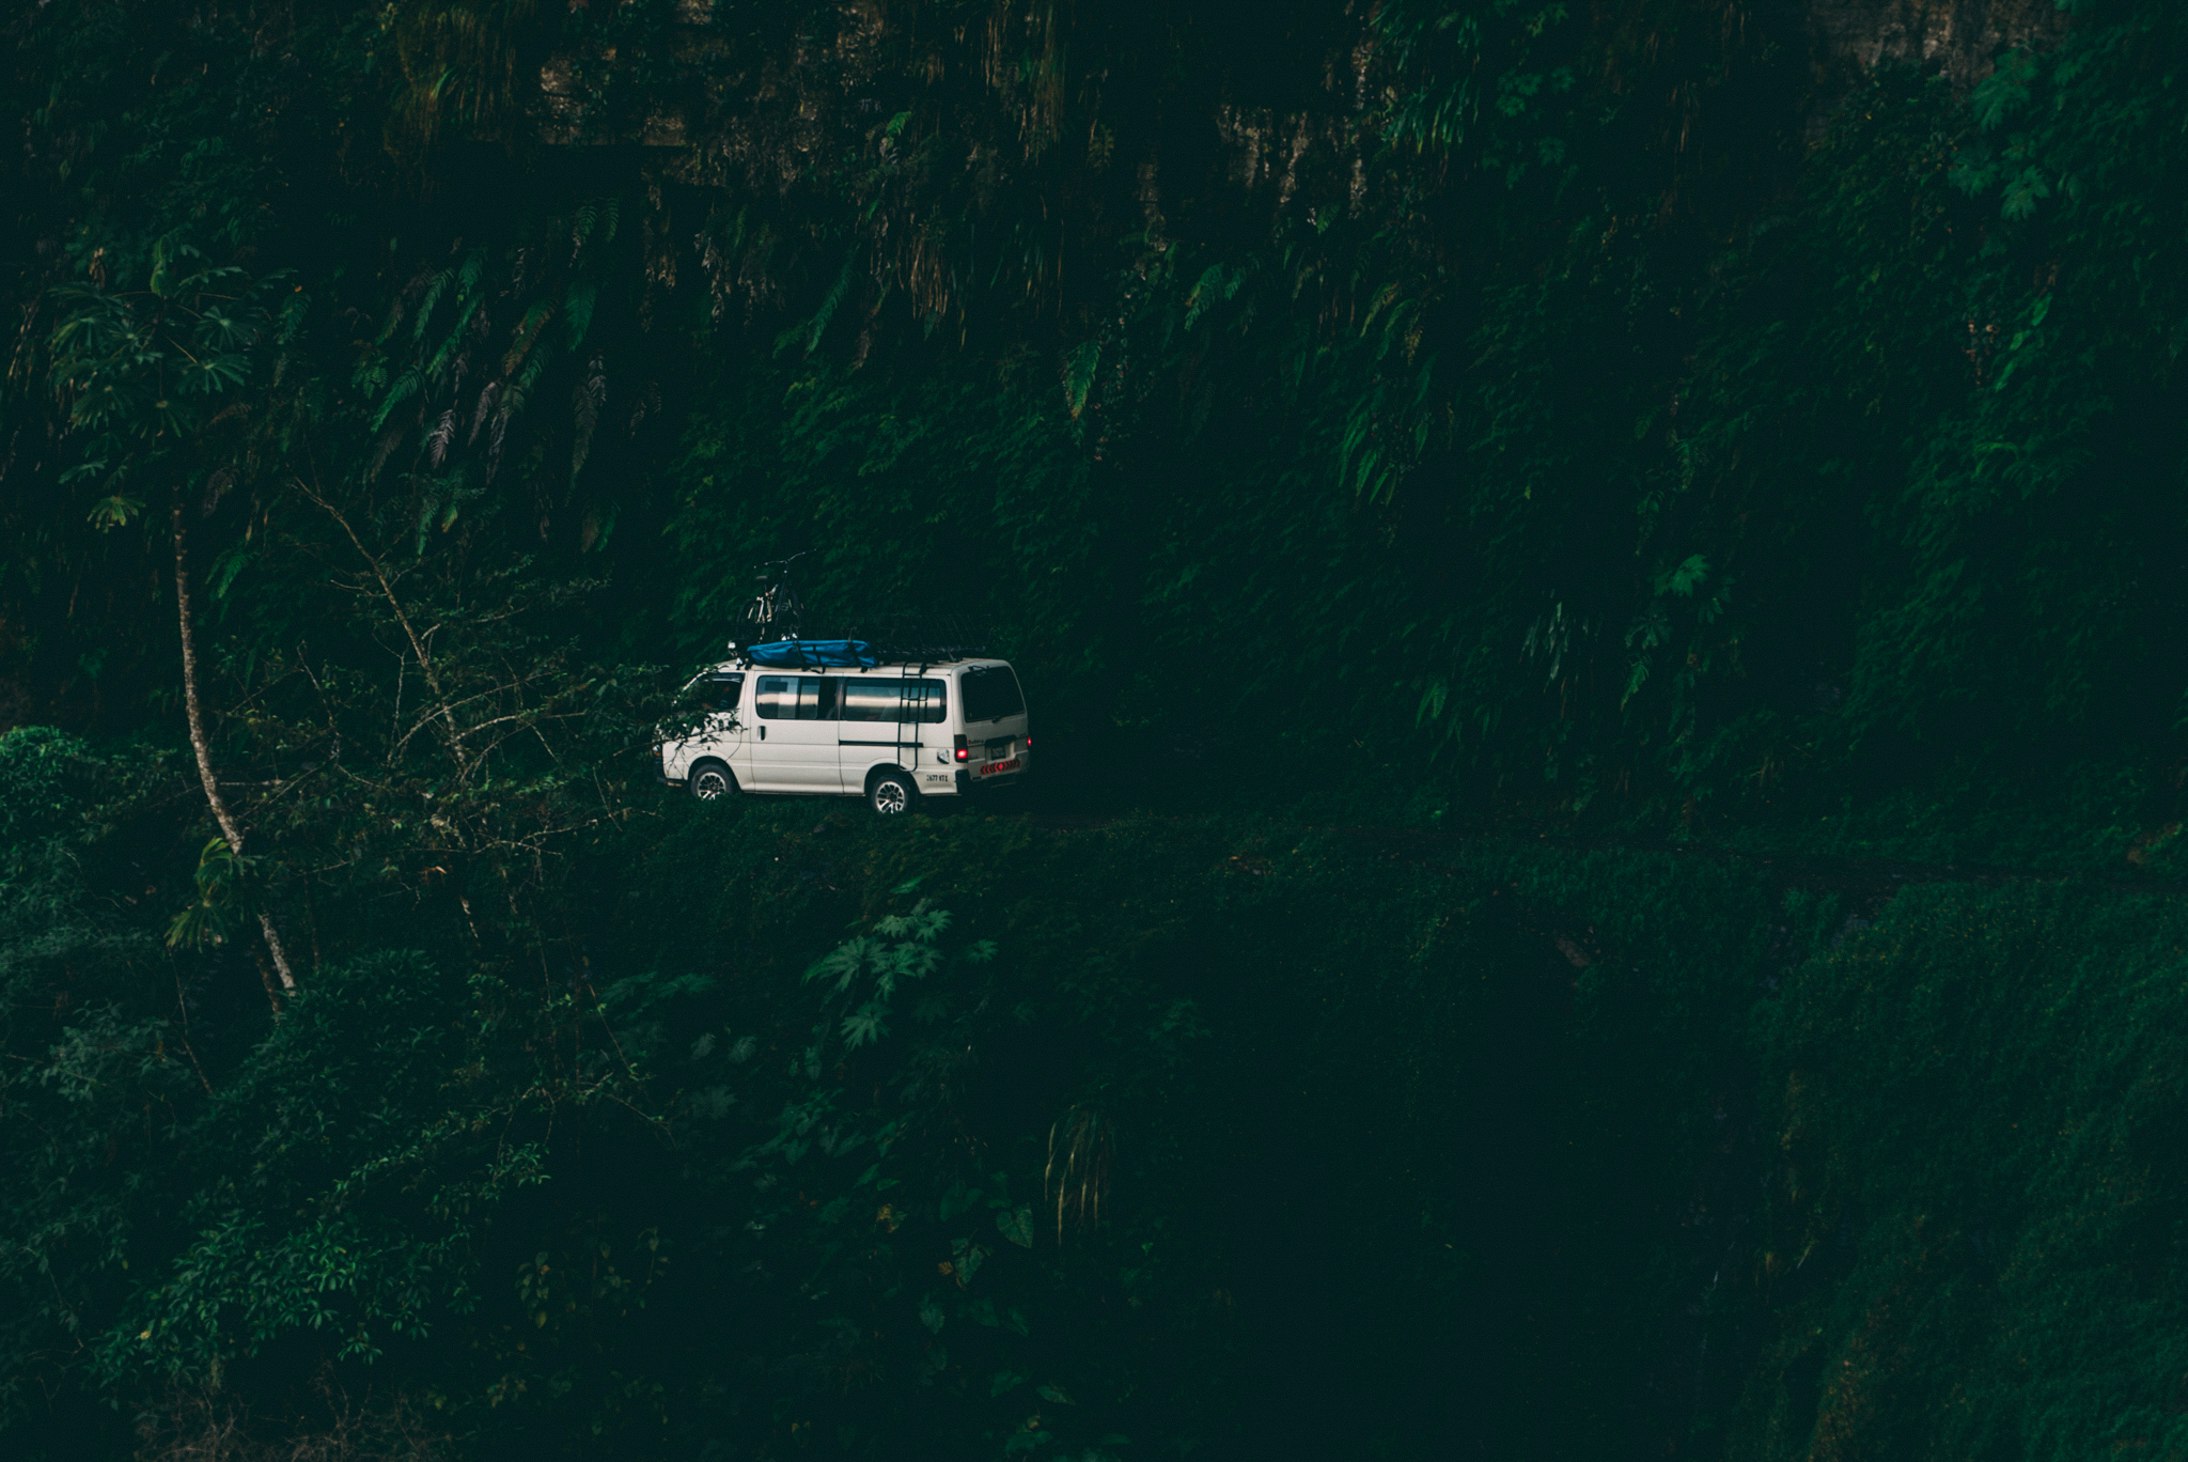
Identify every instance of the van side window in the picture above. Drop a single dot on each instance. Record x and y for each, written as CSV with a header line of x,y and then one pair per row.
x,y
798,697
871,699
891,698
817,697
778,697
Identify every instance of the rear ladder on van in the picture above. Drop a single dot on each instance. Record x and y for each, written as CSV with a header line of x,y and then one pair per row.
x,y
909,715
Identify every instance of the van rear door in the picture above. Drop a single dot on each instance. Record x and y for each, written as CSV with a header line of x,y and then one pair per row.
x,y
995,722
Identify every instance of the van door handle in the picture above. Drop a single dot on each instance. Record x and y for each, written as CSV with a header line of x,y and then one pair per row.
x,y
763,733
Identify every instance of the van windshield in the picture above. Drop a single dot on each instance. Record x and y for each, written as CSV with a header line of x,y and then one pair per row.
x,y
991,693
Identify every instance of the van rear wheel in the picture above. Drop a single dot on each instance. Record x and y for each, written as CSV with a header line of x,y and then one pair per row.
x,y
891,793
709,780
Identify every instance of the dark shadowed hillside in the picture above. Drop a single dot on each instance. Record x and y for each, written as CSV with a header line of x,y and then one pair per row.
x,y
1600,585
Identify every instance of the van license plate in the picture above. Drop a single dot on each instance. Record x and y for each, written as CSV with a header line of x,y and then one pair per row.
x,y
991,768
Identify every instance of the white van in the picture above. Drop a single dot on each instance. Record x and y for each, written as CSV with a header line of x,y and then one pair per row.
x,y
891,732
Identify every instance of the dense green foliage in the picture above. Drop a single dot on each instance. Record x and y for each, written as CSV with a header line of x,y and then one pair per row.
x,y
1416,453
1464,1160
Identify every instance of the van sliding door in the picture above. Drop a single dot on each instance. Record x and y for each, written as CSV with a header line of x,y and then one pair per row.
x,y
795,746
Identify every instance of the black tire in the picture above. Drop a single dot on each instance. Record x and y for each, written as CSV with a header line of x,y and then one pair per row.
x,y
890,792
709,780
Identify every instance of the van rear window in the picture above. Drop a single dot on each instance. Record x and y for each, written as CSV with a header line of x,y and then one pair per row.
x,y
991,693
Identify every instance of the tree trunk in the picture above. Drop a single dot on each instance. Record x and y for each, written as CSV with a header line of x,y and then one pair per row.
x,y
194,712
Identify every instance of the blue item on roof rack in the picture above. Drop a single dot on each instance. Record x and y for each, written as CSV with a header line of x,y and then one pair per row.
x,y
814,655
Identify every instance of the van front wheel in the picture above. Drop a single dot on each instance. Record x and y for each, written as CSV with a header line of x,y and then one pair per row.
x,y
890,793
709,780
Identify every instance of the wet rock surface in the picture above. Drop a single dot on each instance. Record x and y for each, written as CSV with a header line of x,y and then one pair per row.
x,y
1960,37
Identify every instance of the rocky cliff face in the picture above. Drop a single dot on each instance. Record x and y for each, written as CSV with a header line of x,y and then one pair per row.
x,y
1958,36
1840,41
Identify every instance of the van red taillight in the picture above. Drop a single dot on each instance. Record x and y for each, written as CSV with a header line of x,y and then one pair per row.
x,y
1029,743
964,753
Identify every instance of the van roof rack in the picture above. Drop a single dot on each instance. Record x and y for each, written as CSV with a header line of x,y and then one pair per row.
x,y
926,639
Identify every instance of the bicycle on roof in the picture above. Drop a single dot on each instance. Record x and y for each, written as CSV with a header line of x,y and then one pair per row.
x,y
775,611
